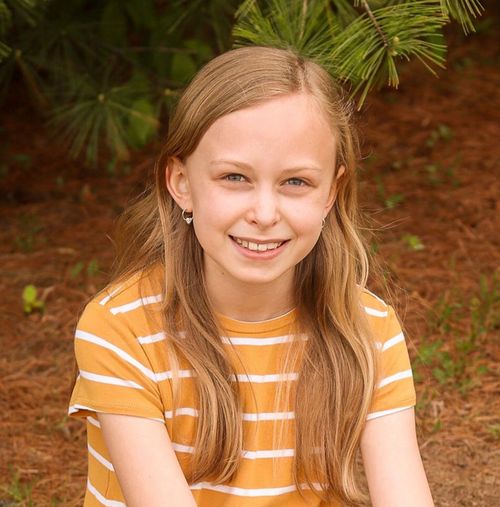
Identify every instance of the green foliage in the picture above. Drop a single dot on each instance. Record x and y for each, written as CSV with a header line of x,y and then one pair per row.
x,y
18,491
463,11
30,227
105,72
367,51
494,429
31,302
413,242
92,267
441,132
91,270
455,359
286,24
361,42
76,269
390,201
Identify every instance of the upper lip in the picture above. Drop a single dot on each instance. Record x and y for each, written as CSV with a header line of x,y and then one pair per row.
x,y
258,241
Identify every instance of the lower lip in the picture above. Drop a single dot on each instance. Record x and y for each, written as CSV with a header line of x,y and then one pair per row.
x,y
251,254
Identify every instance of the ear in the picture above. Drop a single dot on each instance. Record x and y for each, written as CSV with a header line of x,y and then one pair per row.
x,y
178,184
333,190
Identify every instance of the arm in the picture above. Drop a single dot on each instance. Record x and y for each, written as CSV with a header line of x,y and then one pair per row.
x,y
145,463
392,462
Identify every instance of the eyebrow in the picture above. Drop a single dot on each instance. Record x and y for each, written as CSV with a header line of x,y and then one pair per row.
x,y
244,165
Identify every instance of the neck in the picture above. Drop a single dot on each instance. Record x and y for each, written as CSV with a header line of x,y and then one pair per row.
x,y
251,302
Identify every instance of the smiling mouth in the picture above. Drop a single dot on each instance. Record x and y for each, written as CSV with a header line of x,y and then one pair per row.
x,y
257,247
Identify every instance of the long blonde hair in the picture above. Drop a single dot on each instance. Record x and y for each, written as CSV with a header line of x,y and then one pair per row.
x,y
339,367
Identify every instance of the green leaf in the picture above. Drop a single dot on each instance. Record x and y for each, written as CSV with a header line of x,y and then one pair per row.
x,y
77,269
201,48
413,241
5,18
113,23
4,51
142,123
141,13
30,299
29,294
182,68
92,267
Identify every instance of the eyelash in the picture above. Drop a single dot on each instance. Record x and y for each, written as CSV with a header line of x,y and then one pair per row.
x,y
300,180
230,177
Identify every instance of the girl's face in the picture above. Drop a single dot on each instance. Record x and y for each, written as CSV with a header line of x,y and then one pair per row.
x,y
259,184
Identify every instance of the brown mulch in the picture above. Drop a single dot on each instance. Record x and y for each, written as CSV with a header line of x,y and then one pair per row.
x,y
434,142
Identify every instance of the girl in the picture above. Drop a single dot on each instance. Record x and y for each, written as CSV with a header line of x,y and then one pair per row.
x,y
237,359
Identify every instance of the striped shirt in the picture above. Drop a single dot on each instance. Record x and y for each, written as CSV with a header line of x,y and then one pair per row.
x,y
123,369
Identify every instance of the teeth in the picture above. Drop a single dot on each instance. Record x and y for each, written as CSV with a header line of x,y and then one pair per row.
x,y
257,247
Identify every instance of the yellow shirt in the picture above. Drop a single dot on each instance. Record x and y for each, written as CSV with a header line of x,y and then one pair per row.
x,y
123,369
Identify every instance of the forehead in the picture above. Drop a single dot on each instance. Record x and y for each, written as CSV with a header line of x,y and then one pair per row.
x,y
278,130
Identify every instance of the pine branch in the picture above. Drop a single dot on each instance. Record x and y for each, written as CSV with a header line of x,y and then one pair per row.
x,y
4,51
98,115
366,52
277,26
359,57
463,11
374,21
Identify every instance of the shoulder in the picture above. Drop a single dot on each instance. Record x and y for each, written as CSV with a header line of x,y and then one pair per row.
x,y
374,305
140,289
130,306
383,320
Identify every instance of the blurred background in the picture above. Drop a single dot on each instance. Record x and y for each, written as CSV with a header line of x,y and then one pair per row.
x,y
86,88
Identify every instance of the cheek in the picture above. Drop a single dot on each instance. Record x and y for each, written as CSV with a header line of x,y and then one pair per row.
x,y
306,217
216,205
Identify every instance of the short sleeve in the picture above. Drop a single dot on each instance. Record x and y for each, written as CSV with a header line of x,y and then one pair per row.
x,y
395,389
114,372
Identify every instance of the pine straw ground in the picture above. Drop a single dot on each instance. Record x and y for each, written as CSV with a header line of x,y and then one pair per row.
x,y
56,215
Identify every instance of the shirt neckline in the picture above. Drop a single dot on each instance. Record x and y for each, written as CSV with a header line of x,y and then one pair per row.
x,y
259,327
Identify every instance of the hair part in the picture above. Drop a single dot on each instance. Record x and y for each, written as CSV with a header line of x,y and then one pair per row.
x,y
338,365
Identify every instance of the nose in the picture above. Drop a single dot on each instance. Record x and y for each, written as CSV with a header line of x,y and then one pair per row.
x,y
264,209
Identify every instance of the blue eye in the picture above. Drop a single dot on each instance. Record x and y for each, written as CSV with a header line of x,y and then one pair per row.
x,y
296,182
234,177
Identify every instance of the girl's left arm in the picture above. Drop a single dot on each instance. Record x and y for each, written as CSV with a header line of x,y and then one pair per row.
x,y
392,462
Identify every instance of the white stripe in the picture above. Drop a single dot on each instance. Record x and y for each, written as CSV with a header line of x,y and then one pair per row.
x,y
259,342
170,374
156,377
393,341
267,416
148,300
375,313
246,416
182,448
104,379
102,499
181,411
393,378
152,338
104,300
93,421
101,459
76,408
381,413
271,453
92,338
261,379
250,492
262,454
